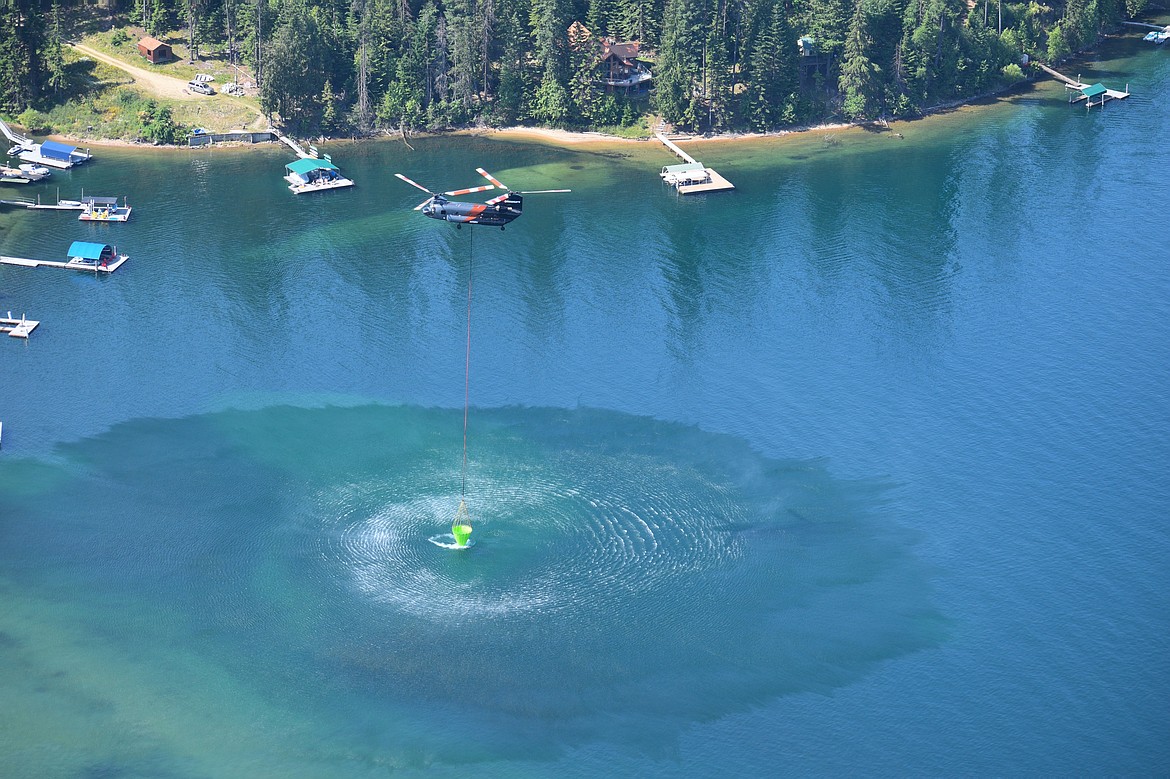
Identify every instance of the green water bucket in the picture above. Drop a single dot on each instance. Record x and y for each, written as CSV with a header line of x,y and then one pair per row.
x,y
461,532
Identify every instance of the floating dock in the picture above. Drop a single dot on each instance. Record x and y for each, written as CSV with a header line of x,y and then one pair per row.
x,y
310,172
51,153
60,205
96,257
1158,34
104,209
1087,91
692,177
17,328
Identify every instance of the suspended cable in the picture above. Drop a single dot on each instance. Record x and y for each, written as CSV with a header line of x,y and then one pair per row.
x,y
467,360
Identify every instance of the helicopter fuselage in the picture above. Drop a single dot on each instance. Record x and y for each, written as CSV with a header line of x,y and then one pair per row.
x,y
492,215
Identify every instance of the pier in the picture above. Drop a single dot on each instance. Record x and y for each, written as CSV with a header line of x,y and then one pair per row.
x,y
289,142
14,137
60,205
1087,91
51,153
17,328
73,264
692,177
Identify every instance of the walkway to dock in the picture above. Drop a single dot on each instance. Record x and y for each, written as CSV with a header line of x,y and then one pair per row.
x,y
304,155
15,138
674,148
71,265
17,328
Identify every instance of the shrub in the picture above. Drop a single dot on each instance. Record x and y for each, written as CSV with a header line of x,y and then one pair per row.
x,y
119,37
1013,74
33,121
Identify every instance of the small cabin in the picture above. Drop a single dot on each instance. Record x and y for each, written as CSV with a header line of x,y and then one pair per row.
x,y
155,50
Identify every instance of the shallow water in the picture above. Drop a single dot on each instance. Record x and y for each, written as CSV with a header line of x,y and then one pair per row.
x,y
859,468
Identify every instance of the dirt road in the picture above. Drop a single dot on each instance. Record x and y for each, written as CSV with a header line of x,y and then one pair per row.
x,y
156,83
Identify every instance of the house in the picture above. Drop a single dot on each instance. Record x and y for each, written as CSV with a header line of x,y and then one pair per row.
x,y
618,65
155,50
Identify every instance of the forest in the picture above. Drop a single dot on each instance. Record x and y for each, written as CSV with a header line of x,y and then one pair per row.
x,y
357,66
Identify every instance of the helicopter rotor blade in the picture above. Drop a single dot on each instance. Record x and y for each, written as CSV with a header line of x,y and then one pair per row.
x,y
542,191
490,177
423,204
496,199
414,183
469,190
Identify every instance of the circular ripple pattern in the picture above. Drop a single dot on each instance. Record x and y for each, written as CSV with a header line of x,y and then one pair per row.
x,y
629,577
574,532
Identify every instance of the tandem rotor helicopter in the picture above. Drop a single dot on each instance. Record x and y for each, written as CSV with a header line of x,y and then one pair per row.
x,y
496,212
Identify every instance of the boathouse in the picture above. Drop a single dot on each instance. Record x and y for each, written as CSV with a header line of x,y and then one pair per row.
x,y
52,151
97,255
155,50
309,170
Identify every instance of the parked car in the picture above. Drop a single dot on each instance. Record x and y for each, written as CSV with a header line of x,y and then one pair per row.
x,y
200,87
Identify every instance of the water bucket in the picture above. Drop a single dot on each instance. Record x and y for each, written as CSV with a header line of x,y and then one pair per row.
x,y
461,532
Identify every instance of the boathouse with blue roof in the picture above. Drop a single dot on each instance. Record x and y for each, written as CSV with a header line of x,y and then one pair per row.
x,y
96,253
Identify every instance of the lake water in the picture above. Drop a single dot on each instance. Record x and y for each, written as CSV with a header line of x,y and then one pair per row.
x,y
862,468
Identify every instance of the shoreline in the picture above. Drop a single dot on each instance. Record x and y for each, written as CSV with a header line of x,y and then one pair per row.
x,y
571,138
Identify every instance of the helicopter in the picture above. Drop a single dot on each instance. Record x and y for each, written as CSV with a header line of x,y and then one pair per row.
x,y
497,212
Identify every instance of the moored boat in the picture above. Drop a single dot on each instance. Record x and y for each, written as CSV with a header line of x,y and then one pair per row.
x,y
24,174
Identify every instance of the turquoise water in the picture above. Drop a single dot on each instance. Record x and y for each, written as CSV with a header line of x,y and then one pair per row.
x,y
861,468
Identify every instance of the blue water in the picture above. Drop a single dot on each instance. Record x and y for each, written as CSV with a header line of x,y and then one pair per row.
x,y
859,469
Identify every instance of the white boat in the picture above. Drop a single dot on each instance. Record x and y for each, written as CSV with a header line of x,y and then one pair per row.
x,y
13,176
35,172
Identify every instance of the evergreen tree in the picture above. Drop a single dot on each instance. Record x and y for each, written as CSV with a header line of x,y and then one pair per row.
x,y
22,45
772,88
679,64
859,83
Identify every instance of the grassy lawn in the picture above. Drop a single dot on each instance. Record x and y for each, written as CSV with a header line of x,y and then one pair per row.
x,y
211,60
103,102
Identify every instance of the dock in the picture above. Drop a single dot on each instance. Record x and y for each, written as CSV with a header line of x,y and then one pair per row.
x,y
17,328
60,205
692,177
51,153
104,209
1087,91
73,264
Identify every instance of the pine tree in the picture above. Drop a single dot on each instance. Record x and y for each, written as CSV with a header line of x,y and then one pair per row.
x,y
679,63
858,82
